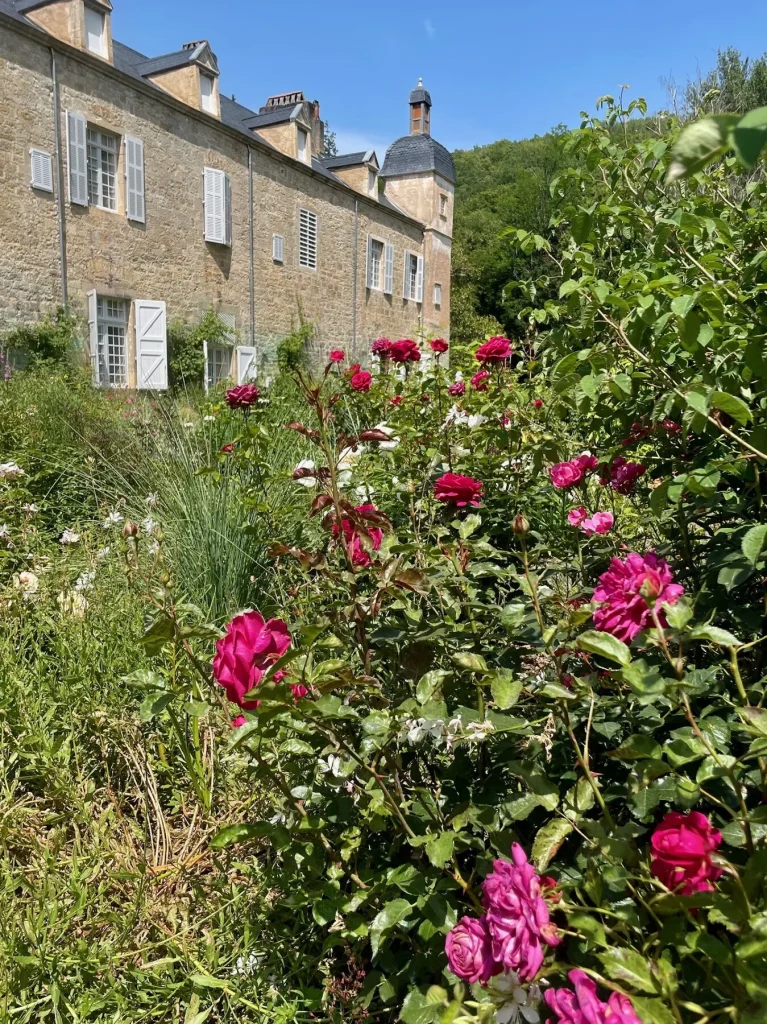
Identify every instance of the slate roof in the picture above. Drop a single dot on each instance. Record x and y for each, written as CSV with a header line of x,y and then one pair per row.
x,y
168,62
277,116
348,159
420,95
414,153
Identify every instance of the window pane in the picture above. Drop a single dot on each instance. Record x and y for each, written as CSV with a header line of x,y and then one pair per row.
x,y
94,31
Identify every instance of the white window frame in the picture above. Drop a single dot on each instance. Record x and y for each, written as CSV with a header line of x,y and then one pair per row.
x,y
96,17
412,285
388,269
208,100
302,146
278,248
217,203
41,170
437,293
110,331
308,239
372,183
103,163
135,191
376,266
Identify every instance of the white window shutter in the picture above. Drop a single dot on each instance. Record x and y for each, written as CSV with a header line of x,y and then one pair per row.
x,y
93,336
134,179
228,210
206,356
151,345
246,364
42,170
77,150
389,270
215,205
278,248
406,277
370,263
419,281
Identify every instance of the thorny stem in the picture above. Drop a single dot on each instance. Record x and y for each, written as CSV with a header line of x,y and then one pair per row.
x,y
583,762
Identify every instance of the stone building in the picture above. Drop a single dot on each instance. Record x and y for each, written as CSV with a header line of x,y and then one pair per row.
x,y
136,193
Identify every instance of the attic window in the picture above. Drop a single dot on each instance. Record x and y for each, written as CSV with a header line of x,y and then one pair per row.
x,y
303,146
95,32
207,93
372,183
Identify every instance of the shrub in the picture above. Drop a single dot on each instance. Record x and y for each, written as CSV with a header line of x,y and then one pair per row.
x,y
291,351
51,341
186,349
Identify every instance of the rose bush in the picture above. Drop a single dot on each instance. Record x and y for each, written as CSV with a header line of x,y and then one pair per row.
x,y
495,689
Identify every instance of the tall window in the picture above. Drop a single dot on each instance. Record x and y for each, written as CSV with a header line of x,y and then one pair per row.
x,y
437,294
412,274
95,32
307,239
112,352
219,364
303,146
376,263
102,169
443,205
207,90
372,183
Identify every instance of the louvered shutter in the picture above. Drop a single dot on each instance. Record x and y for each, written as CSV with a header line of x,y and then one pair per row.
x,y
93,336
389,270
42,170
278,248
134,179
215,206
370,263
227,210
406,277
206,356
151,345
246,363
419,281
307,239
77,150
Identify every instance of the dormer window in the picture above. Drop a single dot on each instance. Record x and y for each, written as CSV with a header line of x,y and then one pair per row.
x,y
372,183
303,146
95,32
208,93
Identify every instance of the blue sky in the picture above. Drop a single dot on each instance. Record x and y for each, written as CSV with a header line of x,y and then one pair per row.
x,y
495,68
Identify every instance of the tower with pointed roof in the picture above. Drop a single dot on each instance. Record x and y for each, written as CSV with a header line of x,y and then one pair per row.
x,y
419,177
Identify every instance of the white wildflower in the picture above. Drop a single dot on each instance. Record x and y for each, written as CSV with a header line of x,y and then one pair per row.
x,y
153,548
476,420
10,471
247,966
112,520
85,582
73,604
30,509
103,553
306,481
189,426
415,730
4,532
209,419
477,732
27,583
346,463
458,376
69,537
152,499
149,525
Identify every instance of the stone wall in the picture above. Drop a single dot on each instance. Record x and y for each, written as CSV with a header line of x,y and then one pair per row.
x,y
167,258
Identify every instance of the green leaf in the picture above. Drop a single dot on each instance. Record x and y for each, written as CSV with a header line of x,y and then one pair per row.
x,y
439,850
749,136
549,840
608,646
697,402
652,1011
588,926
720,637
756,718
732,405
637,748
628,967
698,144
420,1008
391,915
469,526
470,662
239,833
753,543
579,799
505,691
154,704
207,981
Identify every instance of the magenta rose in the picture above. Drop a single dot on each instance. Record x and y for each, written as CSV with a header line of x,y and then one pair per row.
x,y
600,522
242,397
681,848
583,1006
405,351
246,652
457,389
361,380
623,475
565,475
576,515
337,355
469,952
360,557
479,380
381,347
439,345
496,350
454,489
630,590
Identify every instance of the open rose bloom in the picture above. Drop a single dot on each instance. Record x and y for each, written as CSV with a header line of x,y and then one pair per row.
x,y
629,592
454,489
249,648
496,350
357,540
681,848
582,1005
405,351
242,397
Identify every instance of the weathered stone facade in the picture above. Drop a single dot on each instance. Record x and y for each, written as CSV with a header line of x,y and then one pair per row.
x,y
166,257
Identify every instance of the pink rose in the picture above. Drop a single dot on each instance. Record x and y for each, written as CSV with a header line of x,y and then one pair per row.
x,y
439,345
405,351
479,380
628,592
496,350
243,397
576,515
453,489
565,475
362,380
623,475
518,915
239,721
583,1006
243,655
681,848
469,952
360,556
459,388
337,355
600,522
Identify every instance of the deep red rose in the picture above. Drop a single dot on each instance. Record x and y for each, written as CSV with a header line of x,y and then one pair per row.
x,y
362,380
496,350
405,351
350,371
671,426
459,388
623,475
337,355
397,400
479,380
439,345
227,449
538,403
681,848
381,347
243,397
246,652
454,489
360,556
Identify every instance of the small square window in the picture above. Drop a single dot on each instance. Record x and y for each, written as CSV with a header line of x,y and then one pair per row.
x,y
95,32
278,248
437,294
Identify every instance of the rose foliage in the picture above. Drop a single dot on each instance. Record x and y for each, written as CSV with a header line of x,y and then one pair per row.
x,y
524,776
